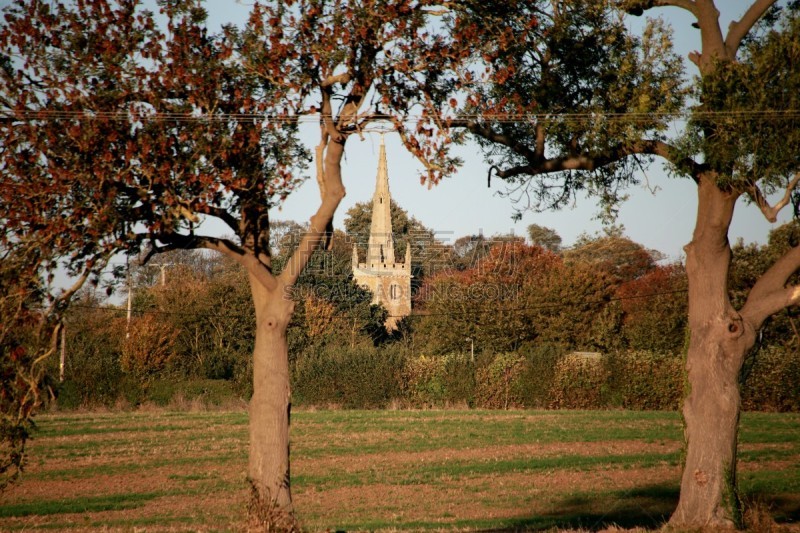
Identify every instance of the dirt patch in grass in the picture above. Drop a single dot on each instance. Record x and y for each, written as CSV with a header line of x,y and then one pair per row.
x,y
138,481
509,496
204,512
377,460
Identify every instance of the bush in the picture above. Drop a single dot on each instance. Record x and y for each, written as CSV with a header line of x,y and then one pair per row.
x,y
423,381
243,376
439,381
645,380
459,380
148,348
537,377
207,392
354,378
69,395
498,385
93,374
772,380
579,382
220,363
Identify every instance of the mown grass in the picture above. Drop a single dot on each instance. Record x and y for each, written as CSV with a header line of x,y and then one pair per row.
x,y
372,470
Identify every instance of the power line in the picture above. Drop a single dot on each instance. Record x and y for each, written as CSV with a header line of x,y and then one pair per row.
x,y
344,315
503,118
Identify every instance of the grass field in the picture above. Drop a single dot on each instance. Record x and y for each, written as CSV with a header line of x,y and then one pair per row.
x,y
410,470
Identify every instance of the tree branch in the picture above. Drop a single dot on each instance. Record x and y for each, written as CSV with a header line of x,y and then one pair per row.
x,y
637,7
771,212
332,191
538,164
262,271
488,133
343,79
326,115
740,28
770,293
67,294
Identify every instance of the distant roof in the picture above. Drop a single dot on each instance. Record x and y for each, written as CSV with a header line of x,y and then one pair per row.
x,y
588,355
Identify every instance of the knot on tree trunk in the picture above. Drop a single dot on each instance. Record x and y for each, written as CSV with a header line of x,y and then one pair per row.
x,y
700,477
271,322
735,326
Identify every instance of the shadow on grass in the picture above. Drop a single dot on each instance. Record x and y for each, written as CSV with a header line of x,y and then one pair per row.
x,y
783,508
646,507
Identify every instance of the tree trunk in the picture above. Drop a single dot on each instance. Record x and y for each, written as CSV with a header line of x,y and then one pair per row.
x,y
720,339
270,407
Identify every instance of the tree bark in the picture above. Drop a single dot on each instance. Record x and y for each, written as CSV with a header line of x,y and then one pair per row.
x,y
720,339
270,406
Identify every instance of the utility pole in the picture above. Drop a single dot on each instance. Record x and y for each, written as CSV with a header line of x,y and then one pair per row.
x,y
471,342
163,267
63,361
130,298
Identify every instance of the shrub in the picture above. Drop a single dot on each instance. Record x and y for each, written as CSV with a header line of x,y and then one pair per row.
x,y
645,380
772,380
423,381
206,392
148,347
93,374
243,376
69,395
459,380
537,377
439,381
356,378
498,384
579,382
219,363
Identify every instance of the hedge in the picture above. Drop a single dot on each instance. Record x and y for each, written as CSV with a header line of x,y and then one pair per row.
x,y
367,377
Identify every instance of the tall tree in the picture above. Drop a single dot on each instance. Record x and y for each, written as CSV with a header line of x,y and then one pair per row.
x,y
544,237
120,134
487,302
614,253
576,103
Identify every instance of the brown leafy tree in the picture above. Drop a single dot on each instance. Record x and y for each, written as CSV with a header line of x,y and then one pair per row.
x,y
654,311
489,302
148,347
615,254
120,135
576,102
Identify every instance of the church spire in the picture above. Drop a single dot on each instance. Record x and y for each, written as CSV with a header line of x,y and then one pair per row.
x,y
381,243
389,282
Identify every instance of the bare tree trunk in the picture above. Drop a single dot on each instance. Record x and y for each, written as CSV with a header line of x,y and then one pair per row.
x,y
720,339
270,406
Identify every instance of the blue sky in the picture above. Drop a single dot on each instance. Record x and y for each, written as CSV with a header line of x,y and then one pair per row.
x,y
463,205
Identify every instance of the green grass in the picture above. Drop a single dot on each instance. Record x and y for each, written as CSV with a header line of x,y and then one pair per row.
x,y
443,470
114,502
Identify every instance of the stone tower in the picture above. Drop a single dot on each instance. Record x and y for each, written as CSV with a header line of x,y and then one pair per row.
x,y
388,280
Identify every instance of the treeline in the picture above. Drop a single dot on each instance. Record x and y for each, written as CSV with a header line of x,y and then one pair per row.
x,y
498,322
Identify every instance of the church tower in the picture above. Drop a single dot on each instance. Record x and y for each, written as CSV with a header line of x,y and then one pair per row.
x,y
388,280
